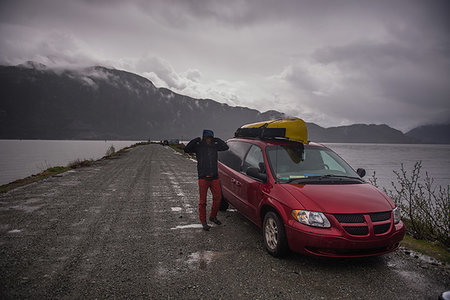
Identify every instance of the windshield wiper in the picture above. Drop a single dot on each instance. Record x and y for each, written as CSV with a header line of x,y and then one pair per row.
x,y
342,176
306,178
321,177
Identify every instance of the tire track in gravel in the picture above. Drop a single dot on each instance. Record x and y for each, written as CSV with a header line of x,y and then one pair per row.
x,y
96,223
114,242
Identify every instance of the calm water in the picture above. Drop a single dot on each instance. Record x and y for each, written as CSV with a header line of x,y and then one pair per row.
x,y
384,158
19,159
22,158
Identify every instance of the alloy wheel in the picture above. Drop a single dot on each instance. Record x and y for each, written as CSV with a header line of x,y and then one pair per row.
x,y
271,233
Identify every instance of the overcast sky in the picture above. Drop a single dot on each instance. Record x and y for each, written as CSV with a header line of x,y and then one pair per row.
x,y
329,62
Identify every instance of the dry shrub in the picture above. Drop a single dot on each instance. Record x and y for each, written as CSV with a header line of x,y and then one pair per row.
x,y
425,207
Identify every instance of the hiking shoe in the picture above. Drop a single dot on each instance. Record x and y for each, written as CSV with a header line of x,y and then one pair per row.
x,y
206,227
215,220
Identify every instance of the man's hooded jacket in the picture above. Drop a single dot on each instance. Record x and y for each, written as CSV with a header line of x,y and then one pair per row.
x,y
206,156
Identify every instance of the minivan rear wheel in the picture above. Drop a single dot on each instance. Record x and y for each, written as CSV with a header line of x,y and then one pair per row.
x,y
274,235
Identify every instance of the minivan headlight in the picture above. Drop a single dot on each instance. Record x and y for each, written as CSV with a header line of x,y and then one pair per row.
x,y
311,218
396,214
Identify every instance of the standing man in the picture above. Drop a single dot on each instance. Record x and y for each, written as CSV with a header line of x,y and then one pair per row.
x,y
208,176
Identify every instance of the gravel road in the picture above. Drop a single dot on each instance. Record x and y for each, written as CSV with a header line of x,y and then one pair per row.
x,y
128,228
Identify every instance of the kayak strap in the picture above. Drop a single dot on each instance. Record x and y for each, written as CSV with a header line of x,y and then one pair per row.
x,y
261,132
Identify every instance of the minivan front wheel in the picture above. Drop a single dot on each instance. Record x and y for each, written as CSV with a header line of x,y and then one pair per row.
x,y
274,235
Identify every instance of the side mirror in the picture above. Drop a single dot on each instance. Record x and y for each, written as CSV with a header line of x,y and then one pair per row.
x,y
255,173
361,172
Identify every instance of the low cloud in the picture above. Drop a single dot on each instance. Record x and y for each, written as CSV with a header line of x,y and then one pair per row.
x,y
190,82
193,75
54,49
160,70
366,81
312,78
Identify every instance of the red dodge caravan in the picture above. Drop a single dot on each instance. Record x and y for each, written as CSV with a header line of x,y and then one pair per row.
x,y
307,199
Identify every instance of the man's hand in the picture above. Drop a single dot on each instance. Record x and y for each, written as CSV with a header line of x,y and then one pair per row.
x,y
221,145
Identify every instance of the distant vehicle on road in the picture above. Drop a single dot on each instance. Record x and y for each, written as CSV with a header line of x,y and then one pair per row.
x,y
304,196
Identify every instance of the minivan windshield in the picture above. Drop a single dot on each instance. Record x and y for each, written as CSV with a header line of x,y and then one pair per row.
x,y
298,163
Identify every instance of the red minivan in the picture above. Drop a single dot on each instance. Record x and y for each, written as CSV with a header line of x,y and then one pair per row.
x,y
307,199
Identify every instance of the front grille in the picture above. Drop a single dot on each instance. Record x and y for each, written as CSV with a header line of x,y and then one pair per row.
x,y
349,218
381,216
379,229
357,230
354,219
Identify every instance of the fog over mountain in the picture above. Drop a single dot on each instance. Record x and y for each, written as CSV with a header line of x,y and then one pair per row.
x,y
102,103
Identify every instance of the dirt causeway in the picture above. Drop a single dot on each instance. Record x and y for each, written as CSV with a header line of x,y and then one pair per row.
x,y
128,228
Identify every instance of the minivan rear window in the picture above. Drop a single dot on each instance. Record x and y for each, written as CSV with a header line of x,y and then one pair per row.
x,y
234,156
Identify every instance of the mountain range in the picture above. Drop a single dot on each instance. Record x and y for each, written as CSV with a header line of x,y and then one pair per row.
x,y
431,134
37,102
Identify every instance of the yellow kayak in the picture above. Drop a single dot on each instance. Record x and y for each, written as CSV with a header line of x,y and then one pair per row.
x,y
293,129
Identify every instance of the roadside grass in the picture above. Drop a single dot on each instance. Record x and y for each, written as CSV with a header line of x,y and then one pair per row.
x,y
53,171
111,152
433,249
178,147
78,163
33,178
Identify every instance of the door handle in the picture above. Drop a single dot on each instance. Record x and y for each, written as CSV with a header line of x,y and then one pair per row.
x,y
234,181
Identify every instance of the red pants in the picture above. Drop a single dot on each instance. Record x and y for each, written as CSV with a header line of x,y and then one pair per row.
x,y
203,186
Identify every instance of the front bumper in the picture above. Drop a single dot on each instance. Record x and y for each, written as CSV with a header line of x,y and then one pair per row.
x,y
332,242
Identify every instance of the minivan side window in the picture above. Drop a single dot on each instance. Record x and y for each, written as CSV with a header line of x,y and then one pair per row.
x,y
234,156
254,158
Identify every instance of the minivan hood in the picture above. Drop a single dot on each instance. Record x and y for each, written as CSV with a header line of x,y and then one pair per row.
x,y
343,198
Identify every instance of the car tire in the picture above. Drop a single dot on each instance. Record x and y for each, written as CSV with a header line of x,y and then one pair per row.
x,y
274,235
223,204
